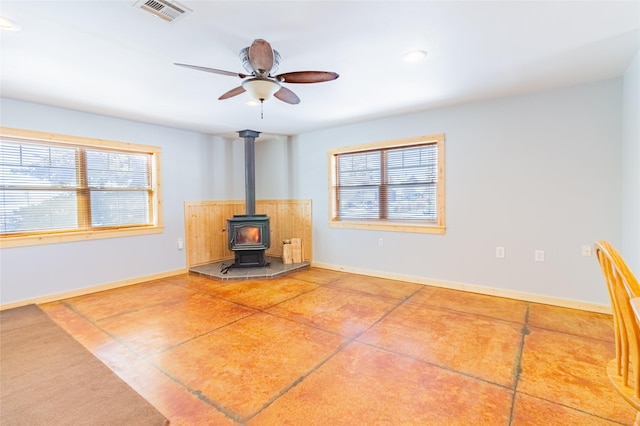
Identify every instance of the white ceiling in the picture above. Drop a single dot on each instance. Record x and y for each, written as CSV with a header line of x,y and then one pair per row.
x,y
110,58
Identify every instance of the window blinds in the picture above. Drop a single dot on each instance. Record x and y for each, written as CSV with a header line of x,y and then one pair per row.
x,y
395,183
51,187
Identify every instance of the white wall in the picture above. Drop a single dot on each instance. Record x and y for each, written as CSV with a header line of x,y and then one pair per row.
x,y
630,248
194,167
274,167
224,169
525,173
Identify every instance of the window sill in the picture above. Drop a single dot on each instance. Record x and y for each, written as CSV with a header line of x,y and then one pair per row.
x,y
53,238
389,226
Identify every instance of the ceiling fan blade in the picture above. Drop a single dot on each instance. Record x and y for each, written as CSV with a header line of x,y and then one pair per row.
x,y
286,95
231,93
261,56
307,76
213,70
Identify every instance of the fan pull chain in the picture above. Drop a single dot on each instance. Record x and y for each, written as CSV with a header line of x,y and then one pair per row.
x,y
261,109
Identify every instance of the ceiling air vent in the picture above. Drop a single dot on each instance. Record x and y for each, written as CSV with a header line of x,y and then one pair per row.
x,y
167,10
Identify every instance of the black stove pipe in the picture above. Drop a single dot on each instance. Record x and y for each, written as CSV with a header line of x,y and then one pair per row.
x,y
249,169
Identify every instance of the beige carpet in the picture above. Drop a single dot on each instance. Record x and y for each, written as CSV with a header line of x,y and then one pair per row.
x,y
48,378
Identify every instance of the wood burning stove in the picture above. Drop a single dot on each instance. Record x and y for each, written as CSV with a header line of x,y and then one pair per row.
x,y
249,233
248,239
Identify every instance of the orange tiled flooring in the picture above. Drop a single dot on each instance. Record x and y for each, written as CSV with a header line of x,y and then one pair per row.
x,y
321,347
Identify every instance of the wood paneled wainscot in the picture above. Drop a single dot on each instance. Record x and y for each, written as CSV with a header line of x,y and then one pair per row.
x,y
206,223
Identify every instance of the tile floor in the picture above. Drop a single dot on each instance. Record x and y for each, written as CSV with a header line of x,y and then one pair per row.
x,y
320,347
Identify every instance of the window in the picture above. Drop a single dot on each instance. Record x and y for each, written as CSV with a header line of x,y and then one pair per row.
x,y
57,188
393,185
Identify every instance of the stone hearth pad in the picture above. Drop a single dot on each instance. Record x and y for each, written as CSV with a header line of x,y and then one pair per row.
x,y
274,268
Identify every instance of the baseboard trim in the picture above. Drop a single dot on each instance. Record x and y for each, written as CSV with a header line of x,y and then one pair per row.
x,y
92,289
473,288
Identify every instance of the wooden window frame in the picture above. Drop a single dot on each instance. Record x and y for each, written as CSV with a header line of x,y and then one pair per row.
x,y
49,237
416,226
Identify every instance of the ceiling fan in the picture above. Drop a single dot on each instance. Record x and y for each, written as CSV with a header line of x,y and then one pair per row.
x,y
261,62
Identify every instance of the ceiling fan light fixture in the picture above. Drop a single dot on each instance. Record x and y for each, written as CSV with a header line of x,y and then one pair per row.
x,y
260,88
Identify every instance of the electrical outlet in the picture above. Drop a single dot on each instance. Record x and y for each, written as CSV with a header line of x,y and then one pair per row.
x,y
380,242
539,255
500,252
586,250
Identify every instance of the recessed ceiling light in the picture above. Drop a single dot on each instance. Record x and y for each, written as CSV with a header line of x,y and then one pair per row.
x,y
8,25
415,55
